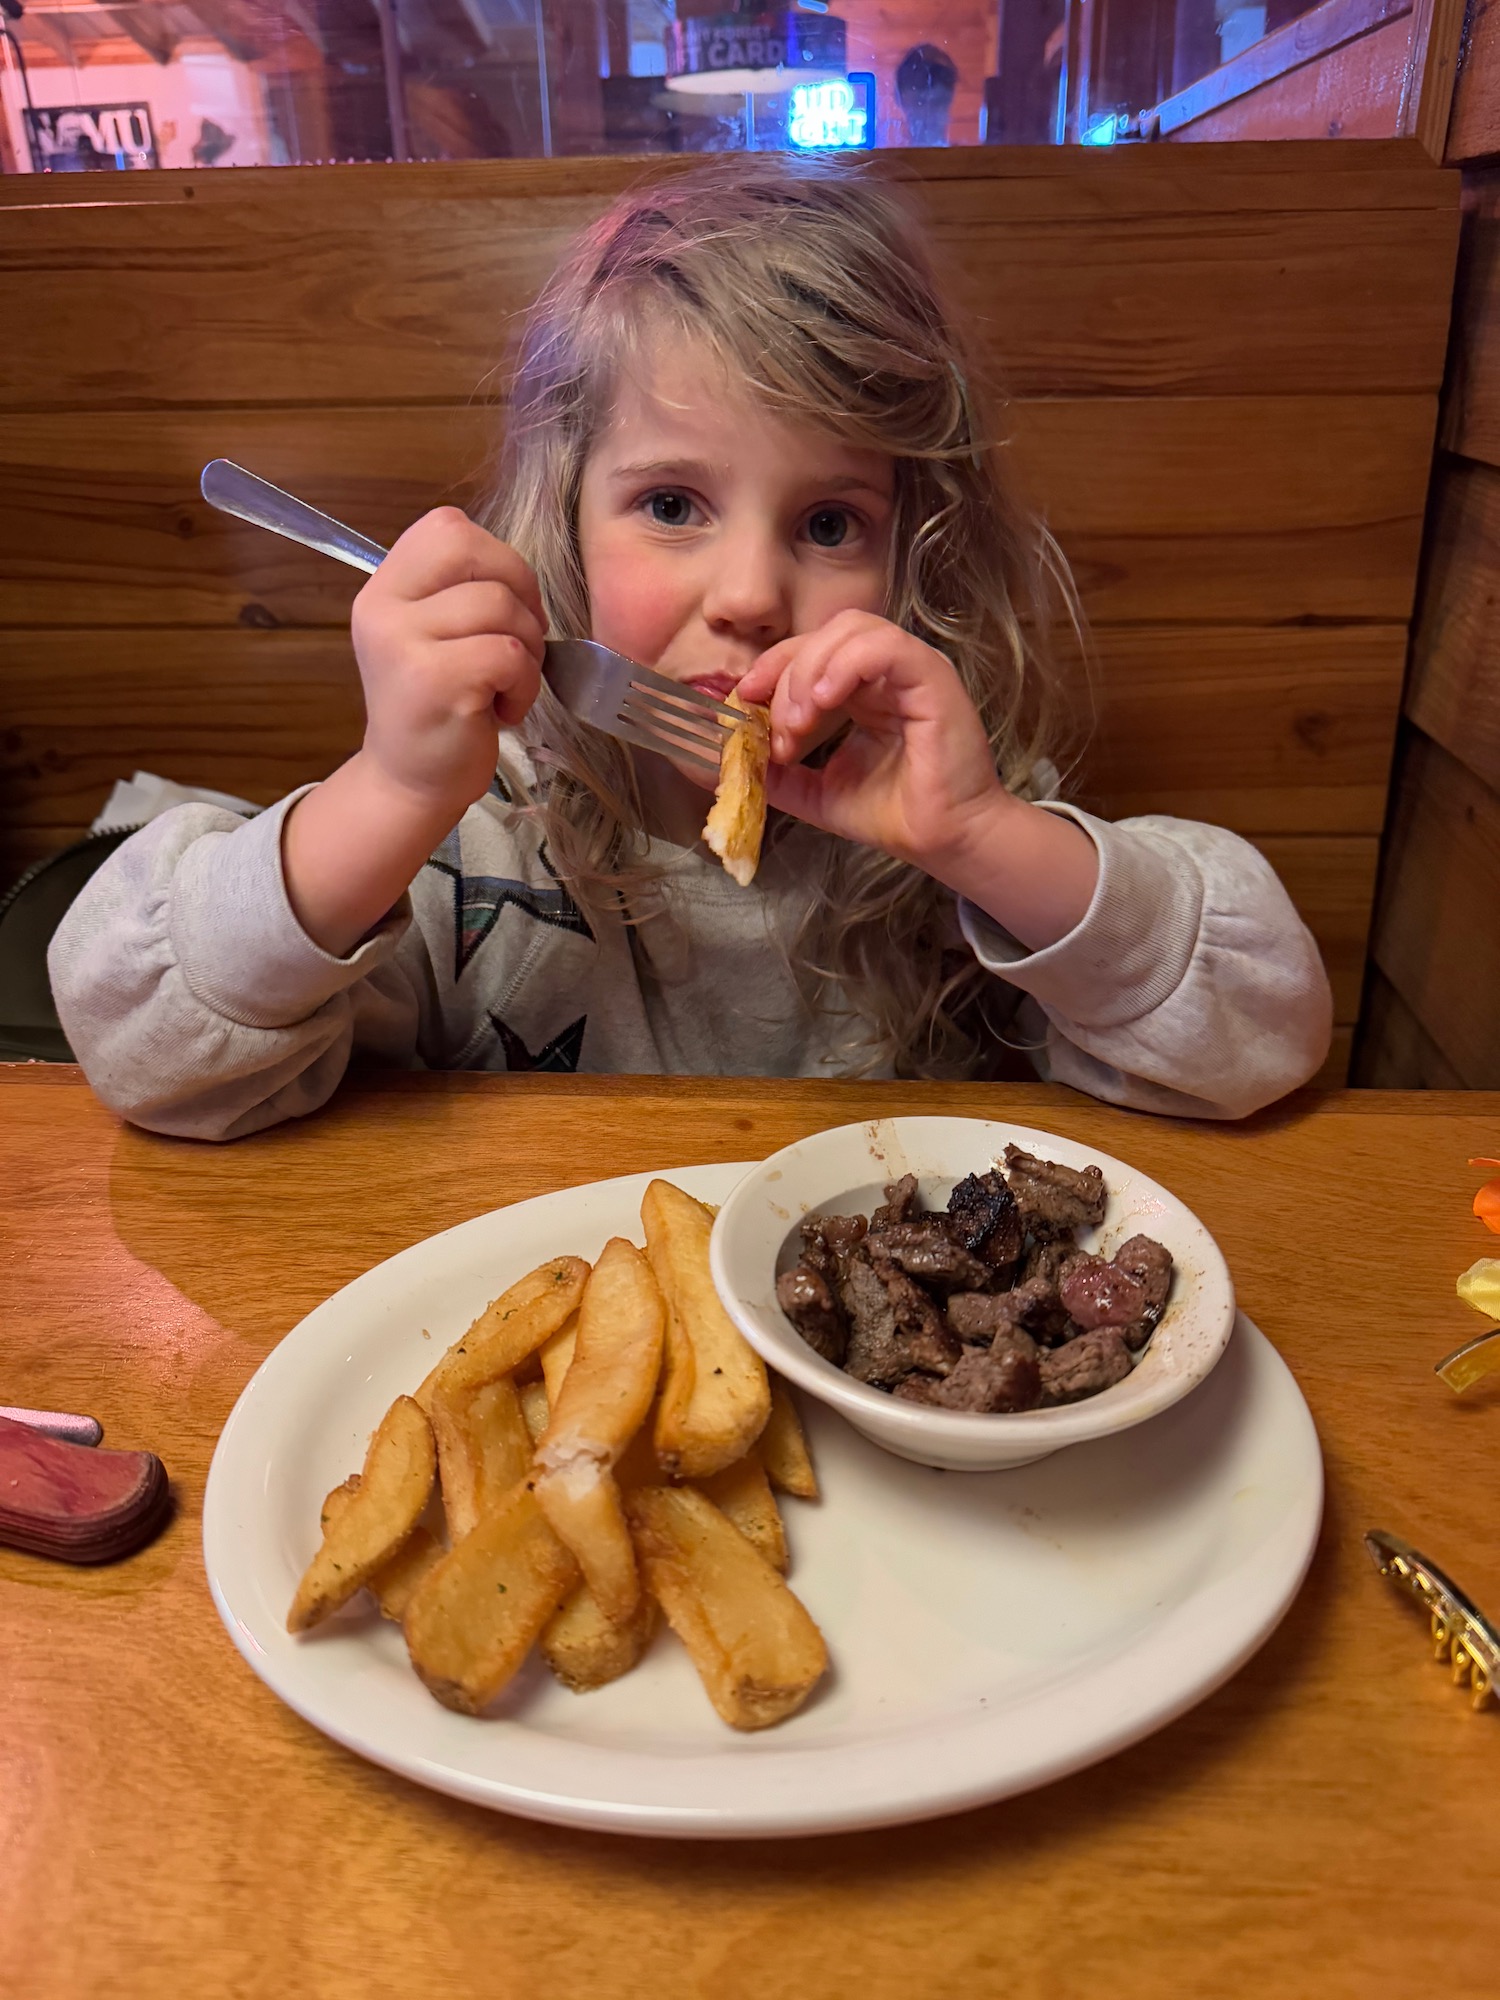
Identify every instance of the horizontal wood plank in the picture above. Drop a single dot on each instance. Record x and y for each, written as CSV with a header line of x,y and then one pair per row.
x,y
405,285
1435,935
1371,174
1263,732
1454,693
257,713
1395,1052
1282,730
1231,510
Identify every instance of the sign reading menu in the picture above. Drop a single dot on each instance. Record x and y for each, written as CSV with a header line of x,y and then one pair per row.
x,y
89,138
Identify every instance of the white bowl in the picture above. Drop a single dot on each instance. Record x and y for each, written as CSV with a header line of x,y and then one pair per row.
x,y
844,1171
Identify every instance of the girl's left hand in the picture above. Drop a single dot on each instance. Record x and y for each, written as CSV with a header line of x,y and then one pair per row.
x,y
913,776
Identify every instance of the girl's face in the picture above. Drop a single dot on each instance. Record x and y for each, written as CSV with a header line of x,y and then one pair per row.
x,y
710,530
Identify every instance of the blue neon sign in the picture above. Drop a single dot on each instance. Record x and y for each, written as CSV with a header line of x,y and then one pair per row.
x,y
838,112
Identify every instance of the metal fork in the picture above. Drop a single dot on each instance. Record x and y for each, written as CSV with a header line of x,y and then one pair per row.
x,y
600,687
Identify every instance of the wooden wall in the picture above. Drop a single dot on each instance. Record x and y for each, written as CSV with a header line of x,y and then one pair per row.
x,y
1224,364
1431,1018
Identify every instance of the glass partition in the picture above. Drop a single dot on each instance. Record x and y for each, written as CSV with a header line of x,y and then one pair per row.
x,y
137,84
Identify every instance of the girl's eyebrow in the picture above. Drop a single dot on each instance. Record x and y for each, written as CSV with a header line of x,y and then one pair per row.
x,y
702,471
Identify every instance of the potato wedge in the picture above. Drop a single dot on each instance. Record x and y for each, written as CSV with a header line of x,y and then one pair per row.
x,y
475,1615
599,1406
557,1357
758,1653
742,1493
535,1411
393,1583
715,1397
783,1446
393,1490
587,1650
736,822
483,1448
511,1328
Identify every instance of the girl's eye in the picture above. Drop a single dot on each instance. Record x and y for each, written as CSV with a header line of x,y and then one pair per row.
x,y
828,528
671,510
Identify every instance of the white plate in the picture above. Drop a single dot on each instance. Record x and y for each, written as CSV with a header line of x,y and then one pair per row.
x,y
989,1632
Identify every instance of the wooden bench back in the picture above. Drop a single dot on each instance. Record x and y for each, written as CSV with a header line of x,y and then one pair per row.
x,y
1224,364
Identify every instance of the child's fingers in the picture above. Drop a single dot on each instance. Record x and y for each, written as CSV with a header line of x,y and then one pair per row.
x,y
444,548
477,610
495,672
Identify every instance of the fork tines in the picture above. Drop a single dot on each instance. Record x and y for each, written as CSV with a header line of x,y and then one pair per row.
x,y
681,720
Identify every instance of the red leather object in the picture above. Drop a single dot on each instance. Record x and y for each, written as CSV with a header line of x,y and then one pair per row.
x,y
77,1504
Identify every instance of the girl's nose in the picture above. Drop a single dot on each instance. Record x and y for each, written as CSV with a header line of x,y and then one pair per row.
x,y
749,591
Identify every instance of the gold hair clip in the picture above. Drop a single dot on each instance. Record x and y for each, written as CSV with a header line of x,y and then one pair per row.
x,y
1468,1364
1461,1634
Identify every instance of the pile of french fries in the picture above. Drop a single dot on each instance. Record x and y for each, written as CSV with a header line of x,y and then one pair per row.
x,y
604,1443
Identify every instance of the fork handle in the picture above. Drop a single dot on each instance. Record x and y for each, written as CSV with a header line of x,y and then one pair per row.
x,y
233,490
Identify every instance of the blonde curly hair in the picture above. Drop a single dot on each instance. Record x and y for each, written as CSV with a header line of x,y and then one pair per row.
x,y
808,280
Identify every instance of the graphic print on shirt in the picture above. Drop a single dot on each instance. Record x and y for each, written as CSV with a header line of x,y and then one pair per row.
x,y
560,1054
479,899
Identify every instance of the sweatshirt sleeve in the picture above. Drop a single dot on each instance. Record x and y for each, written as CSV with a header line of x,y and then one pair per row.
x,y
1191,986
195,1001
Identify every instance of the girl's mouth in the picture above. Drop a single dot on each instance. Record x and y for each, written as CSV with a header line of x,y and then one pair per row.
x,y
719,686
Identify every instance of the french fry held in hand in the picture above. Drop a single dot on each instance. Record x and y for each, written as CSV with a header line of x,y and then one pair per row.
x,y
715,1396
758,1653
483,1447
476,1614
393,1583
782,1447
736,822
599,1406
511,1328
393,1490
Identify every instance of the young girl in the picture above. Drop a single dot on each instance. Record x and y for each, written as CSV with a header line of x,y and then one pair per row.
x,y
743,449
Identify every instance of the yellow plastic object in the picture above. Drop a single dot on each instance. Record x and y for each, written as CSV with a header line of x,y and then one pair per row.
x,y
1479,1286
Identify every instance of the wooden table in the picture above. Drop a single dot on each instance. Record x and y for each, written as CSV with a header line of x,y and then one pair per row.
x,y
1325,1824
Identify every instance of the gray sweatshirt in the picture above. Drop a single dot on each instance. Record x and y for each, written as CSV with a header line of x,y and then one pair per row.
x,y
198,1005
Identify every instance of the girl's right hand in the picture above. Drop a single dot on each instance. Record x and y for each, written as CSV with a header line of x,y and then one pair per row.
x,y
448,633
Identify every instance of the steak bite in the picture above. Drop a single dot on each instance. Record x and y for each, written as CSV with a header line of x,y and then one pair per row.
x,y
983,1218
994,1380
1098,1293
902,1203
925,1250
1084,1366
893,1326
827,1240
1150,1264
1035,1307
1053,1198
808,1302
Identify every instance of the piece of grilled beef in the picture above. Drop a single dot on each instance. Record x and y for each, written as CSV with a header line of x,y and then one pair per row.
x,y
902,1203
1084,1366
894,1327
983,1218
808,1301
1035,1307
925,1250
994,1379
1097,1292
1052,1198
